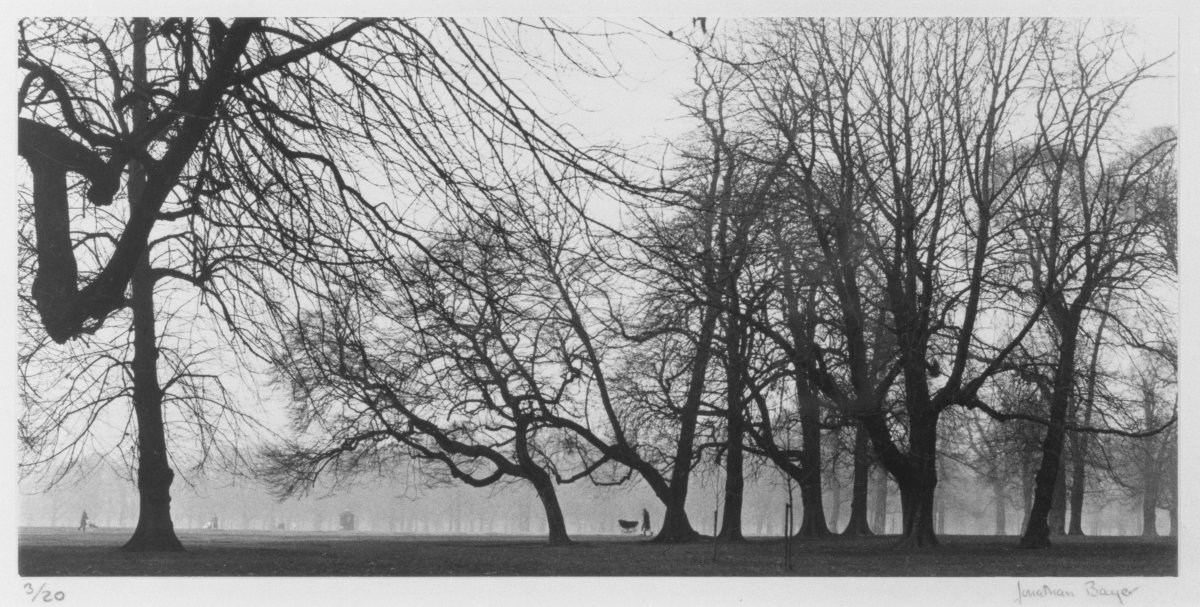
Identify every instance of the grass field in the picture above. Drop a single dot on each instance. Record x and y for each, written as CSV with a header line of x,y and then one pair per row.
x,y
66,552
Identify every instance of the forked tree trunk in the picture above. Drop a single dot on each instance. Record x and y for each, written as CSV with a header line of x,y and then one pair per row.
x,y
915,472
858,525
918,488
154,531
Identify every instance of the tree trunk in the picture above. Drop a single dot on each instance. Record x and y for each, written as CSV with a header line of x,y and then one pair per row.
x,y
881,499
731,524
1078,476
915,472
835,501
812,521
858,525
675,526
1174,519
918,488
917,505
155,531
939,511
1058,507
555,523
999,498
1026,491
1149,506
1037,533
1079,453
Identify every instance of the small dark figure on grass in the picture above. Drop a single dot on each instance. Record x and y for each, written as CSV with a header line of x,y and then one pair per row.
x,y
83,522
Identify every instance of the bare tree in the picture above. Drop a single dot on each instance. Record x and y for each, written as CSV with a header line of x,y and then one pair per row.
x,y
268,138
1083,241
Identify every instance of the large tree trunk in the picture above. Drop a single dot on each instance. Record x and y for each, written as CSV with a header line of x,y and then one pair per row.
x,y
917,505
1079,453
676,527
155,531
812,518
1058,506
858,525
918,488
1037,532
555,523
731,525
1149,506
915,472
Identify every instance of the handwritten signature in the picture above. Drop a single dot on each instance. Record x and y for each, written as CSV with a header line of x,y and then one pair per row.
x,y
1090,589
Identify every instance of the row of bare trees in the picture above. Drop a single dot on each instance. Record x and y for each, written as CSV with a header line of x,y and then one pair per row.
x,y
876,225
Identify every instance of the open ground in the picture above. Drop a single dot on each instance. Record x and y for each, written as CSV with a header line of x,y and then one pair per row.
x,y
65,552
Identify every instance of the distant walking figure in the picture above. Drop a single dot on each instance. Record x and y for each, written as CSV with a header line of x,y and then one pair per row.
x,y
645,522
83,522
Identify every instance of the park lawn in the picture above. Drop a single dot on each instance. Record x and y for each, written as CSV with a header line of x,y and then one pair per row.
x,y
66,552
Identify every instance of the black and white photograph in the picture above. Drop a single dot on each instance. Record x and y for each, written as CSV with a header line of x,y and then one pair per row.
x,y
548,306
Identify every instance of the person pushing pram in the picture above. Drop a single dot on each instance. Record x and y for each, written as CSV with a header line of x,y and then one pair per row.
x,y
632,526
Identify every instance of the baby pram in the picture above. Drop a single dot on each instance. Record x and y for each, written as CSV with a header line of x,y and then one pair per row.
x,y
627,526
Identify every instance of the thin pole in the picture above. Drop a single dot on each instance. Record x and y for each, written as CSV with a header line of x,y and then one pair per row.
x,y
787,527
714,535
